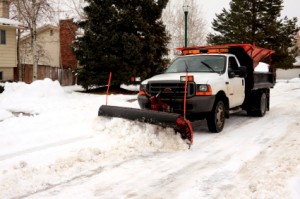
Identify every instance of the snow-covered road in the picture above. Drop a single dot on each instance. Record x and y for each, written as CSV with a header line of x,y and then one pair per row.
x,y
63,150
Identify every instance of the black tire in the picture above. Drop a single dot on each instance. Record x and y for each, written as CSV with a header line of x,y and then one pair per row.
x,y
216,119
260,106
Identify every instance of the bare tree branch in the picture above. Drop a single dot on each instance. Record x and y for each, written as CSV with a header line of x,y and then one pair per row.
x,y
31,13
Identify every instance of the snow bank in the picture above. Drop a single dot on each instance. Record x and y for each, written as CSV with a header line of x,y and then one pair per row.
x,y
4,114
131,87
297,63
30,98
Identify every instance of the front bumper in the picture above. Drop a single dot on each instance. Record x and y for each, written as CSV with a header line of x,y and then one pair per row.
x,y
194,105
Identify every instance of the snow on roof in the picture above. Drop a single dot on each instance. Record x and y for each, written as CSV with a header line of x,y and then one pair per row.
x,y
9,22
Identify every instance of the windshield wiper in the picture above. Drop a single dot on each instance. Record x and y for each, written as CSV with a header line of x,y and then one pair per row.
x,y
208,66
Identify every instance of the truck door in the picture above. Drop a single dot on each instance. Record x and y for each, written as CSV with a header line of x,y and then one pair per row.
x,y
235,84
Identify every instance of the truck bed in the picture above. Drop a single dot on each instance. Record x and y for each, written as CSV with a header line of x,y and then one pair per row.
x,y
263,80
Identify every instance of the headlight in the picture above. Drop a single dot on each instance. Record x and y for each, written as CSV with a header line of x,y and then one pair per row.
x,y
204,90
202,87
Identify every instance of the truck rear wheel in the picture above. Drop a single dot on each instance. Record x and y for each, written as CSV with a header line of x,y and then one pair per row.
x,y
260,106
216,118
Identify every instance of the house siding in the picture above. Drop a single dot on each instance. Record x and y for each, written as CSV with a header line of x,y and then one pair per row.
x,y
48,42
8,55
7,73
56,58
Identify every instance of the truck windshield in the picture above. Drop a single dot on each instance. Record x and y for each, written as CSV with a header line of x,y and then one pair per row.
x,y
199,63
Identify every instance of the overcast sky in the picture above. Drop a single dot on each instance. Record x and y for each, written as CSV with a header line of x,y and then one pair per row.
x,y
211,7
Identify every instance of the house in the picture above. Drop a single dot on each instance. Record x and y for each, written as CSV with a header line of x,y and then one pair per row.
x,y
8,44
55,56
48,53
294,72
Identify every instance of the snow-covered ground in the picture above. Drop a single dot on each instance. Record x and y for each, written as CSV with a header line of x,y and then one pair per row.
x,y
53,145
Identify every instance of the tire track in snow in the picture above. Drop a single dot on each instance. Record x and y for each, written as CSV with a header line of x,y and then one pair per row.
x,y
267,175
50,186
43,147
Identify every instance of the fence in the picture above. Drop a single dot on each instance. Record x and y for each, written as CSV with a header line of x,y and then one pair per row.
x,y
66,77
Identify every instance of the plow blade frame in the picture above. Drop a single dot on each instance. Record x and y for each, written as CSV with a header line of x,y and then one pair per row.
x,y
163,119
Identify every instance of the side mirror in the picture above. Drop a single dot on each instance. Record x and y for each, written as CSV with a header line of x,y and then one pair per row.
x,y
243,71
231,73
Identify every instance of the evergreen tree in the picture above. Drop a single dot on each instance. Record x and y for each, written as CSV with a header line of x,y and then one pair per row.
x,y
125,37
257,22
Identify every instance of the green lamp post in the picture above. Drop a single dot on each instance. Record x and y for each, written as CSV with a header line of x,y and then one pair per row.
x,y
186,11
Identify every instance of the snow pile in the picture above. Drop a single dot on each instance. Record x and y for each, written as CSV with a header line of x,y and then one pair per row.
x,y
297,63
262,67
29,98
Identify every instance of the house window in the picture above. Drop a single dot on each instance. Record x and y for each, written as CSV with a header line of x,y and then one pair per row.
x,y
51,32
2,37
1,75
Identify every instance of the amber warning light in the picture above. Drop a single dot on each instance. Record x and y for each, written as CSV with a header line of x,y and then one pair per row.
x,y
205,50
189,78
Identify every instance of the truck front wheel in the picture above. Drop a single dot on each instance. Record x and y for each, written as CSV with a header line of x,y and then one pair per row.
x,y
216,118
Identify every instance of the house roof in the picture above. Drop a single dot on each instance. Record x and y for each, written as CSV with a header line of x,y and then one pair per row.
x,y
40,30
9,22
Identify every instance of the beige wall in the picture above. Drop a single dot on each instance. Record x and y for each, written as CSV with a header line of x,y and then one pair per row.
x,y
7,73
287,74
8,51
48,46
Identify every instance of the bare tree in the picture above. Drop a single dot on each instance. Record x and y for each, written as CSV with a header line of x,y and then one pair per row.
x,y
173,17
30,13
70,9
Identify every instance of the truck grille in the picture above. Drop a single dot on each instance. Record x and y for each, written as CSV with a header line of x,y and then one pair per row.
x,y
172,90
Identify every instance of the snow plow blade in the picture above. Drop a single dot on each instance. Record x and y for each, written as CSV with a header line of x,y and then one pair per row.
x,y
164,119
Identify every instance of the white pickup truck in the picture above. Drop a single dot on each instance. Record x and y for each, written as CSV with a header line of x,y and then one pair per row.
x,y
221,80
